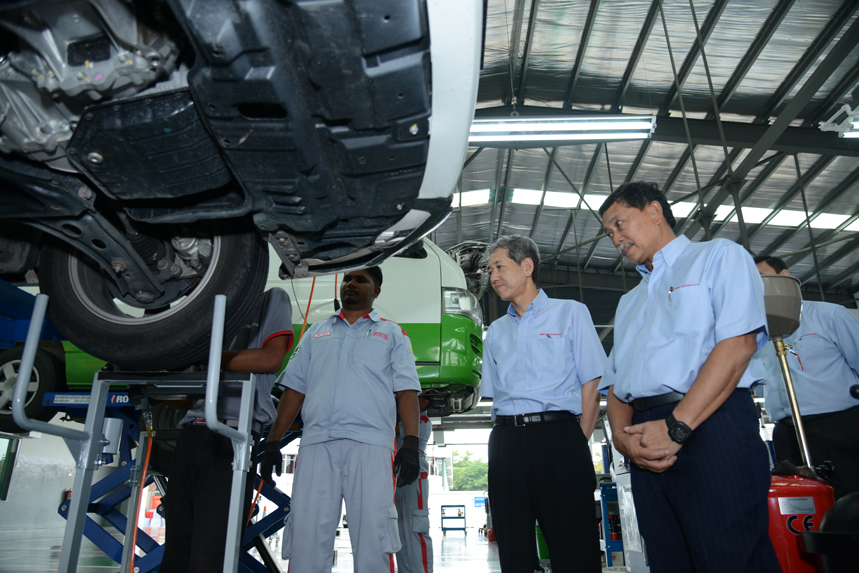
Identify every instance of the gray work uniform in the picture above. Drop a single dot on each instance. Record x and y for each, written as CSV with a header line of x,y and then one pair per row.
x,y
411,501
348,374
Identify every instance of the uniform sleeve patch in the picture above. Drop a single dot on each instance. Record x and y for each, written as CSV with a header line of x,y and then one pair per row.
x,y
381,334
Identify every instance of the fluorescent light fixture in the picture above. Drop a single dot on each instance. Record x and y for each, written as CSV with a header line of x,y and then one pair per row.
x,y
844,122
787,219
753,215
528,129
469,198
527,196
828,221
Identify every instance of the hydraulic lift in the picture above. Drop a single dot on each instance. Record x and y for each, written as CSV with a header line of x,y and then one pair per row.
x,y
112,424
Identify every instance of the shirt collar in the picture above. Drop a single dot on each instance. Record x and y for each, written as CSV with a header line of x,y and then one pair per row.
x,y
668,255
373,315
535,306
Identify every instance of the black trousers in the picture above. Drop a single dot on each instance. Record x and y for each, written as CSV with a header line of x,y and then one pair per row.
x,y
196,507
708,512
833,437
543,473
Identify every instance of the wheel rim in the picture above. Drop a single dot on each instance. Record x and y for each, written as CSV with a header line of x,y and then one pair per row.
x,y
8,379
89,286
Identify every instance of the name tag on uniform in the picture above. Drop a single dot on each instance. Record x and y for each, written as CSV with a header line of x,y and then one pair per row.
x,y
381,334
322,334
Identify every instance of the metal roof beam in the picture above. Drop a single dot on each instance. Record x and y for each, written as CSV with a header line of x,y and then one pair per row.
x,y
822,240
826,68
847,249
546,179
504,197
715,180
637,51
846,274
588,175
810,175
833,101
529,42
826,36
518,18
749,190
694,53
760,42
583,47
499,171
848,184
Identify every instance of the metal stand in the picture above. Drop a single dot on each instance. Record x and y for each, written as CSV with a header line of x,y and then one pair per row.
x,y
86,446
781,351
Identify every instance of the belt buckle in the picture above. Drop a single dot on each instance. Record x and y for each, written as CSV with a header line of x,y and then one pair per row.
x,y
516,418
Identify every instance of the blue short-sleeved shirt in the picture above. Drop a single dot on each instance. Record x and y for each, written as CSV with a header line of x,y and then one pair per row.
x,y
348,374
823,357
274,319
539,362
665,328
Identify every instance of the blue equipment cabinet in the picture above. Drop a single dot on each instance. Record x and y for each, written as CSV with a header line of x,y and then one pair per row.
x,y
608,495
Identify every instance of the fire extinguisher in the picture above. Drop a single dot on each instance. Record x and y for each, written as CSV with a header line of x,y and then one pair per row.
x,y
67,495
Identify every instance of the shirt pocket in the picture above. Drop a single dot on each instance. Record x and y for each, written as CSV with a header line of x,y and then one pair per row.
x,y
550,353
372,350
690,311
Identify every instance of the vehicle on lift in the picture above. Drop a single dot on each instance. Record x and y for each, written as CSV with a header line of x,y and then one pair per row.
x,y
424,290
150,150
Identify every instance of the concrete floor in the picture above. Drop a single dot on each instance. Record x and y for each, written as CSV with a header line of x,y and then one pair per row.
x,y
39,552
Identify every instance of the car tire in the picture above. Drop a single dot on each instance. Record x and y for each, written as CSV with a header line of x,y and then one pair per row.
x,y
84,310
47,376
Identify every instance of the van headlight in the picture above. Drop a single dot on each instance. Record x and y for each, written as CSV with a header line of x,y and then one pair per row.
x,y
460,301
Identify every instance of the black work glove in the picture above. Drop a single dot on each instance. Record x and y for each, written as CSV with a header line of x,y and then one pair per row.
x,y
406,464
272,459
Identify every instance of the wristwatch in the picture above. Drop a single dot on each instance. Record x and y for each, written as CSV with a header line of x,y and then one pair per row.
x,y
678,431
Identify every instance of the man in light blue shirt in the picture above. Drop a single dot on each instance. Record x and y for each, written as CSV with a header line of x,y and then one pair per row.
x,y
541,366
823,356
678,382
350,375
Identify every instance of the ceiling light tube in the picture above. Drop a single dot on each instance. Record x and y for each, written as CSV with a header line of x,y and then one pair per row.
x,y
514,130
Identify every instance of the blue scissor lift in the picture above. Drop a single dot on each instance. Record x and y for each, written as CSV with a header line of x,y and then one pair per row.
x,y
111,427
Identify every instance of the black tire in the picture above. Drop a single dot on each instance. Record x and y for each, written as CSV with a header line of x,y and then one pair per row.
x,y
86,313
47,376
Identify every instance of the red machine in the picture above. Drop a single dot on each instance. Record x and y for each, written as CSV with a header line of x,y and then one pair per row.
x,y
797,501
796,504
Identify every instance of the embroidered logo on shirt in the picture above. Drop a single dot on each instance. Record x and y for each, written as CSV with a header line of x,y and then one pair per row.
x,y
683,286
385,336
321,334
551,334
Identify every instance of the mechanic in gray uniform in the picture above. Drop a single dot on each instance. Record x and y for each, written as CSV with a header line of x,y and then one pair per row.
x,y
349,376
198,493
411,501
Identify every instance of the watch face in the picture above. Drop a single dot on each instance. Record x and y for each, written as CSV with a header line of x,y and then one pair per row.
x,y
679,433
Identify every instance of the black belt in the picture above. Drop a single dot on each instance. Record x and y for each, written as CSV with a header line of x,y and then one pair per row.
x,y
641,404
535,418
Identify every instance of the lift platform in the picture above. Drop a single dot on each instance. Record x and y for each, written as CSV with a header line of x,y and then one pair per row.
x,y
111,425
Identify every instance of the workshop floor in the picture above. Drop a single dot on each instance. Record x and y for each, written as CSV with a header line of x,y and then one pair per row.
x,y
39,551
